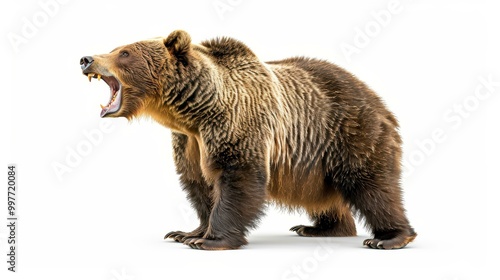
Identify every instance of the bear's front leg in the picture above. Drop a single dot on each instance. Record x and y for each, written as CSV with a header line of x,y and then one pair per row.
x,y
239,195
199,192
198,195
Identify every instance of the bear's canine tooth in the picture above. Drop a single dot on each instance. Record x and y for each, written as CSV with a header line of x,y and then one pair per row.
x,y
90,75
98,77
102,106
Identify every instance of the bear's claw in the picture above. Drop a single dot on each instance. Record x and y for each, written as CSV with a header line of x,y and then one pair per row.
x,y
181,236
397,242
210,244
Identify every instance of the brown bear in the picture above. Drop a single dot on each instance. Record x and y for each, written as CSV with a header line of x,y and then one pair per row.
x,y
300,132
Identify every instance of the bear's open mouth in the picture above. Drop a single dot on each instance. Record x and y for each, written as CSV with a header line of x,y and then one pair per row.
x,y
115,89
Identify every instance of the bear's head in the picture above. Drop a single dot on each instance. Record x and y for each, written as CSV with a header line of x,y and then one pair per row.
x,y
138,73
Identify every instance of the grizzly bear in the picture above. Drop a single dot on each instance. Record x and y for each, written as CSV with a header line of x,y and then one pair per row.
x,y
300,132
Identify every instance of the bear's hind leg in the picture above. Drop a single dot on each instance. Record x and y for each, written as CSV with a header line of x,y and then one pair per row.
x,y
331,223
379,201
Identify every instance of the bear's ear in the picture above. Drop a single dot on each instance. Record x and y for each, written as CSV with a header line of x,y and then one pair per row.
x,y
178,44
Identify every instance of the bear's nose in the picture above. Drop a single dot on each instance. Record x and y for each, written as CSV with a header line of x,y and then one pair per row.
x,y
85,62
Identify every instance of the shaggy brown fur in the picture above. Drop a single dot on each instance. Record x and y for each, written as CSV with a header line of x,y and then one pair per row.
x,y
301,132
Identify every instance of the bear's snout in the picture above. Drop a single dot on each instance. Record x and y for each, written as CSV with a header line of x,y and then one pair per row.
x,y
85,62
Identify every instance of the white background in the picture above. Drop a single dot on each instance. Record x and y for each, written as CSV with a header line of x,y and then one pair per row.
x,y
106,218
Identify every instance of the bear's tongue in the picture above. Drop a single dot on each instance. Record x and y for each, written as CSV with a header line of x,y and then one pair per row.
x,y
115,90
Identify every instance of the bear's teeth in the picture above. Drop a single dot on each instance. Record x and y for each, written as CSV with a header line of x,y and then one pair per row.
x,y
102,106
90,75
98,77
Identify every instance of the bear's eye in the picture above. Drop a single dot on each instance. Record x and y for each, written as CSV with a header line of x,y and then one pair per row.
x,y
124,54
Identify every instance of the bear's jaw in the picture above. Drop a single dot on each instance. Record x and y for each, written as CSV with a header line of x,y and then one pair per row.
x,y
115,90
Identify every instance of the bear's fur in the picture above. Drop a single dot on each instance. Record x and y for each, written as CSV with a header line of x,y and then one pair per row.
x,y
300,132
